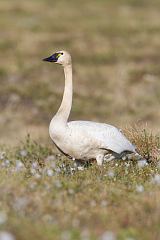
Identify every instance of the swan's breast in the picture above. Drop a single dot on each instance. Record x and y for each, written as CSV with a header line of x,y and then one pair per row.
x,y
72,140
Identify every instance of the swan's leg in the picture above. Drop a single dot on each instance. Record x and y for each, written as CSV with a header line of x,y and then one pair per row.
x,y
109,157
79,164
99,159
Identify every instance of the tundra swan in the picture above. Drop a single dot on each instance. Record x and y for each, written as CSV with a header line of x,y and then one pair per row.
x,y
83,140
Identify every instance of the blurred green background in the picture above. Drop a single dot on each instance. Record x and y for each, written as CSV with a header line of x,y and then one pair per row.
x,y
115,46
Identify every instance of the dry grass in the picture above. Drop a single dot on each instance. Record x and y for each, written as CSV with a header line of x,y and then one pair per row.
x,y
146,142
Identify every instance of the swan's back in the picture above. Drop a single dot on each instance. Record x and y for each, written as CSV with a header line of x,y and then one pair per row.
x,y
104,135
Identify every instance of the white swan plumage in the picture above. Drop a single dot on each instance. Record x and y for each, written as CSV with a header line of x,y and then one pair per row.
x,y
83,140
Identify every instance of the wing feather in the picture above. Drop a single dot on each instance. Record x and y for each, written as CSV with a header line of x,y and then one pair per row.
x,y
103,135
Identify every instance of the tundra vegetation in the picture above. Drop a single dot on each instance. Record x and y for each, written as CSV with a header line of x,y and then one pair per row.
x,y
115,48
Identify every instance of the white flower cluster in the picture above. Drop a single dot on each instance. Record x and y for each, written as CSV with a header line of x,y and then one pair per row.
x,y
6,236
108,235
156,179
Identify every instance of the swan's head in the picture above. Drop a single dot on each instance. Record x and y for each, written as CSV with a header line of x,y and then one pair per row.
x,y
61,57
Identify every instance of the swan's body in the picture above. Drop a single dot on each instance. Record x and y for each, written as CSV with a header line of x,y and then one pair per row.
x,y
83,140
88,140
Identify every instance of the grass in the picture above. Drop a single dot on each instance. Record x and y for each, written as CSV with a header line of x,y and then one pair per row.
x,y
43,196
115,50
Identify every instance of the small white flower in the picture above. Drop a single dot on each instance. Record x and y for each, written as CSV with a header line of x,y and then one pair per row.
x,y
50,158
108,235
75,223
50,172
71,191
20,203
47,218
93,203
127,164
62,165
35,165
139,188
142,163
2,155
73,169
5,163
33,171
19,165
6,236
85,235
126,171
23,153
32,185
104,203
129,238
158,164
124,158
156,179
58,184
65,235
3,217
37,176
80,168
110,174
53,165
58,170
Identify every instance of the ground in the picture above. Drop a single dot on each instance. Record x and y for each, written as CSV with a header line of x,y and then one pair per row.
x,y
115,50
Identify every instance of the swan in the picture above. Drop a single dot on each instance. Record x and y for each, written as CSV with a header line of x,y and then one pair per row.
x,y
83,140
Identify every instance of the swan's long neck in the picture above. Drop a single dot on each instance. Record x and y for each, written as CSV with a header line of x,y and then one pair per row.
x,y
65,107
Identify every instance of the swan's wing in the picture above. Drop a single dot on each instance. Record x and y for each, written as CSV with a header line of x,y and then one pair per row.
x,y
103,135
116,141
